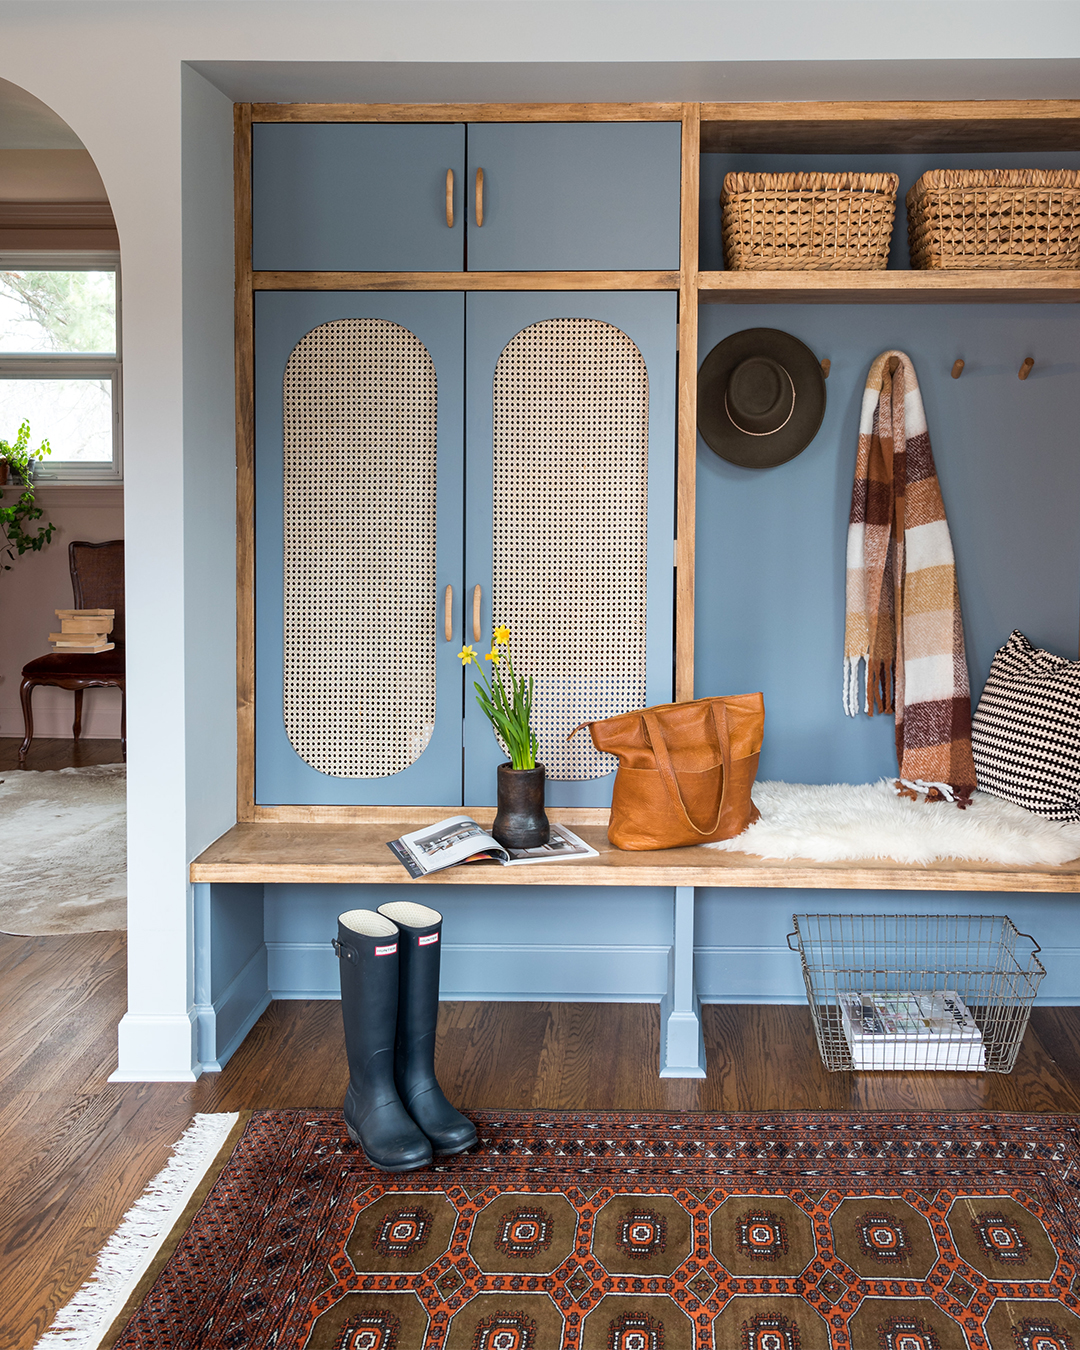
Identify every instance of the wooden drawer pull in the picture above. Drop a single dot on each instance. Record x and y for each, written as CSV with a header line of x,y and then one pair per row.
x,y
479,197
449,199
476,613
448,614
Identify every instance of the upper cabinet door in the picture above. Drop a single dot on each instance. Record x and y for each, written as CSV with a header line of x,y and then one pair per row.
x,y
356,197
574,196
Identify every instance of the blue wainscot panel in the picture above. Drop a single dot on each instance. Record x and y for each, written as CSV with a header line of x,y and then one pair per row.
x,y
499,942
742,956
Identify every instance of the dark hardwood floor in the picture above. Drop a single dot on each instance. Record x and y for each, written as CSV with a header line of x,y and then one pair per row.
x,y
77,1149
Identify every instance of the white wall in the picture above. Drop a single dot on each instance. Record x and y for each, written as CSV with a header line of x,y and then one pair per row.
x,y
114,72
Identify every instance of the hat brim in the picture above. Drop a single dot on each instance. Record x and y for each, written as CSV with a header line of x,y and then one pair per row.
x,y
718,431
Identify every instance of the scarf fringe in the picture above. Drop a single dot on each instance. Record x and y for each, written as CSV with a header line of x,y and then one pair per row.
x,y
875,692
82,1322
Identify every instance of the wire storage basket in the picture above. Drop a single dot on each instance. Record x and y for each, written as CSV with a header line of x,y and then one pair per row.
x,y
927,991
807,222
1008,219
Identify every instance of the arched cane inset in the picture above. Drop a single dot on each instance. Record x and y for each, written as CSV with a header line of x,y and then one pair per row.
x,y
360,458
571,449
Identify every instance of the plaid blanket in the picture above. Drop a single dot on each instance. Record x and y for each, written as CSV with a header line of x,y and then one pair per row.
x,y
903,607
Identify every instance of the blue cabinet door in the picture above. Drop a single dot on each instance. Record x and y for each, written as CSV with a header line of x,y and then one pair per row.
x,y
356,197
358,535
574,196
570,405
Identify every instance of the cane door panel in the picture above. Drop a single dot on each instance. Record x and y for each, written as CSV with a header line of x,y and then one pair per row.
x,y
570,516
359,480
574,196
356,197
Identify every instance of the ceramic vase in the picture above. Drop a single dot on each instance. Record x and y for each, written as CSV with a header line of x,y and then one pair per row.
x,y
520,821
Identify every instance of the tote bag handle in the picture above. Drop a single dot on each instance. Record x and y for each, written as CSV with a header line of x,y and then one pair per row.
x,y
655,735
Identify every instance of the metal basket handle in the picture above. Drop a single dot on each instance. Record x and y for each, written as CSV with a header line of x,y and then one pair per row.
x,y
789,937
1030,939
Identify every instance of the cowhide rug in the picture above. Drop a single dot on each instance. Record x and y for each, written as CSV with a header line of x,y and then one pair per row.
x,y
63,862
868,820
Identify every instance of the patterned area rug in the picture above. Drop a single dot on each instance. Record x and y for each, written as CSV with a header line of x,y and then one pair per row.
x,y
64,863
610,1231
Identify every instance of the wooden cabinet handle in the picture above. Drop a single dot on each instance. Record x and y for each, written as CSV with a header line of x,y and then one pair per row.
x,y
448,614
476,613
479,197
449,199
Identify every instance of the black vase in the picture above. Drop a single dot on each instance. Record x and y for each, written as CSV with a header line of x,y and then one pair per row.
x,y
520,821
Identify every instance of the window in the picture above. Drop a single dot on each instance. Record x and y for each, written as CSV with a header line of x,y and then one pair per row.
x,y
60,361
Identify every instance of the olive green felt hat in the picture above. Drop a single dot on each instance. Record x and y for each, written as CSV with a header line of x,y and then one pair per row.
x,y
761,397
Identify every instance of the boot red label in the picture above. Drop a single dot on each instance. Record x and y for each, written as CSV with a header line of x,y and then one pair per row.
x,y
427,939
386,951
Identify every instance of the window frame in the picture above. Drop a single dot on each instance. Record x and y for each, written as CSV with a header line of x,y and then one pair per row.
x,y
91,365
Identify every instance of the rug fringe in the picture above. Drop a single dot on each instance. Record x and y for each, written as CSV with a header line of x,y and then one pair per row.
x,y
82,1322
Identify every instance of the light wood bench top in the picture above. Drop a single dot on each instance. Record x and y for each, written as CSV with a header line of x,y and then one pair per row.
x,y
266,851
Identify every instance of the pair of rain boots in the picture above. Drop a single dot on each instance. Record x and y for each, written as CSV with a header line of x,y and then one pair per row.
x,y
394,1107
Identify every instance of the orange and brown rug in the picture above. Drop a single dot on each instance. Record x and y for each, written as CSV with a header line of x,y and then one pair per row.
x,y
617,1231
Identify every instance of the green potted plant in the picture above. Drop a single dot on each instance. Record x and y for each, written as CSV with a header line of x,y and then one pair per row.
x,y
16,459
507,700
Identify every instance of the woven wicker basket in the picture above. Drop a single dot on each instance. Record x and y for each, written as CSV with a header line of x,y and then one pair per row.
x,y
997,218
807,221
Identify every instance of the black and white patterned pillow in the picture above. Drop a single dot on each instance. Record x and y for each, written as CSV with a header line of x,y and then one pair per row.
x,y
1025,735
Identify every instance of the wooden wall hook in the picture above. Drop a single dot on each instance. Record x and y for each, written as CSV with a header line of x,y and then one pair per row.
x,y
957,368
894,362
826,366
1025,369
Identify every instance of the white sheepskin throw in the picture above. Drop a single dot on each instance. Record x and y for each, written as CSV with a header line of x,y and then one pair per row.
x,y
868,820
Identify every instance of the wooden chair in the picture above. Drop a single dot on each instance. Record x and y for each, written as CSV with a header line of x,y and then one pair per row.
x,y
97,581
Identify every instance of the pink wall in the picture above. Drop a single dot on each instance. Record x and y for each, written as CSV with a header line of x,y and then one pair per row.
x,y
39,583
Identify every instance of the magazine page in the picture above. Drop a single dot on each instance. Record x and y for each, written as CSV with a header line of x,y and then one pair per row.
x,y
454,840
563,844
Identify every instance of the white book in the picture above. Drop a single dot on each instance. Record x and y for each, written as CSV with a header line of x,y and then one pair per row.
x,y
459,839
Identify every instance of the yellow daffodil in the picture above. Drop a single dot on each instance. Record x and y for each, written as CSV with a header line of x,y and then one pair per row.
x,y
492,655
501,636
467,655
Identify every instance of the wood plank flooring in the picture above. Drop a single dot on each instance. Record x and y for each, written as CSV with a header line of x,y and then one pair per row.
x,y
76,1150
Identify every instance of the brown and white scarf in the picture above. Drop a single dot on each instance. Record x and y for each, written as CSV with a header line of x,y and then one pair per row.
x,y
903,606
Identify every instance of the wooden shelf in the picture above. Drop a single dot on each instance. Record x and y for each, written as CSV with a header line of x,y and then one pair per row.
x,y
897,288
1005,125
265,853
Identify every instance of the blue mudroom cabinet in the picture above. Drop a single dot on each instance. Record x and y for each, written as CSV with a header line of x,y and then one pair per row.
x,y
430,465
444,197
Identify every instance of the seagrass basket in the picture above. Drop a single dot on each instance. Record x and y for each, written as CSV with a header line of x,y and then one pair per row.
x,y
807,222
995,218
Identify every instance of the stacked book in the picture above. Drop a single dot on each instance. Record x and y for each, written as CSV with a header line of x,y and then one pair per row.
x,y
903,1029
83,630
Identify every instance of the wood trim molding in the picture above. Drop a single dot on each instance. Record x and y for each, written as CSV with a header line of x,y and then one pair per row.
x,y
465,281
466,112
686,417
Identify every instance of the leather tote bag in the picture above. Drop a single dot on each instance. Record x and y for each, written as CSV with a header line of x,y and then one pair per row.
x,y
685,770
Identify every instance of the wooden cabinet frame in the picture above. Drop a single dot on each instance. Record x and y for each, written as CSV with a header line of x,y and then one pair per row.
x,y
736,127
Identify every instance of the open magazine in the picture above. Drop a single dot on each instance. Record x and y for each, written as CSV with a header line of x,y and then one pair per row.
x,y
459,839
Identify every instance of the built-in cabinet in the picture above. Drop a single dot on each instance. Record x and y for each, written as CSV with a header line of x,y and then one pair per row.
x,y
506,196
347,255
429,466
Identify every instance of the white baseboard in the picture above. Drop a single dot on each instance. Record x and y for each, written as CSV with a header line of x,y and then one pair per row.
x,y
157,1048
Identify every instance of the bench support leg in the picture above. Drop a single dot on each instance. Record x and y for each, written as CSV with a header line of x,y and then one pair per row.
x,y
682,1047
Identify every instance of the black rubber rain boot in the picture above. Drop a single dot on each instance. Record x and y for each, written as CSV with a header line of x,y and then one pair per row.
x,y
418,1012
367,947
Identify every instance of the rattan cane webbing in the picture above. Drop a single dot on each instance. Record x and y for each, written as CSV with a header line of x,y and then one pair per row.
x,y
807,221
571,422
360,631
1004,219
